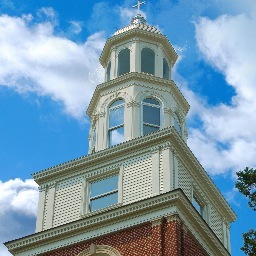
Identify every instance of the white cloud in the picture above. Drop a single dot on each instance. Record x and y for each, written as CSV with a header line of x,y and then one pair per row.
x,y
19,196
18,209
127,14
228,131
75,27
33,59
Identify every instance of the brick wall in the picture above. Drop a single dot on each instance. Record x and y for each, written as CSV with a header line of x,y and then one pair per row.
x,y
167,238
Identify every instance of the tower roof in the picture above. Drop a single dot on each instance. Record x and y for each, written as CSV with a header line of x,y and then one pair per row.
x,y
138,22
138,28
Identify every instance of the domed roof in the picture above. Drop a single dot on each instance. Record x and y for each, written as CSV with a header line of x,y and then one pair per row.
x,y
138,22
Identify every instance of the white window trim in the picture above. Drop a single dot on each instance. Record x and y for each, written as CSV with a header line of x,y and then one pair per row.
x,y
141,111
107,119
86,187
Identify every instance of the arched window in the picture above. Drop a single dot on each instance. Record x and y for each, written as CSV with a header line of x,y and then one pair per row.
x,y
116,122
108,71
177,124
165,69
150,115
148,61
123,62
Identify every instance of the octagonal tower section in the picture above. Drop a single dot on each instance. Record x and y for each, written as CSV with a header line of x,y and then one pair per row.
x,y
138,96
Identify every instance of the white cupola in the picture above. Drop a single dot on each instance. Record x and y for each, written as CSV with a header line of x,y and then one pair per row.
x,y
138,96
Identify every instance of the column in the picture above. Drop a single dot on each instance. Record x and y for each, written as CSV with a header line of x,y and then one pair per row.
x,y
113,63
159,62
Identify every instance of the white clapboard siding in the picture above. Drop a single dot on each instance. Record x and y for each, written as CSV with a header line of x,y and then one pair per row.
x,y
68,200
185,181
216,223
137,179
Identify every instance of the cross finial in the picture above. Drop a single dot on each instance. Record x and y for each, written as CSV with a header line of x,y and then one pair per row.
x,y
138,5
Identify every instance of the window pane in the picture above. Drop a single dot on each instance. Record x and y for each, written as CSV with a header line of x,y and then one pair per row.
x,y
103,186
199,207
177,125
196,205
124,62
104,201
148,61
116,136
151,101
116,117
151,115
148,129
116,103
165,69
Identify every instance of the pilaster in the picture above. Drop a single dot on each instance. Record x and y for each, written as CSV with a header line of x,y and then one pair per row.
x,y
40,210
155,171
168,168
49,209
176,171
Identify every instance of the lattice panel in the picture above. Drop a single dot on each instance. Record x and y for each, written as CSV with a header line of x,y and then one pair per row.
x,y
185,181
137,179
216,223
68,200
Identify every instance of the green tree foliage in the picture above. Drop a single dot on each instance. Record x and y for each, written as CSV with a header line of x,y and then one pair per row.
x,y
246,184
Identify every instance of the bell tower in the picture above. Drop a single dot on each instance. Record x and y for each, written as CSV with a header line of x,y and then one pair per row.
x,y
140,190
138,96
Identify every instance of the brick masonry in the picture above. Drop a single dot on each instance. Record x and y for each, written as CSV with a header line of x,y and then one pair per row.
x,y
168,238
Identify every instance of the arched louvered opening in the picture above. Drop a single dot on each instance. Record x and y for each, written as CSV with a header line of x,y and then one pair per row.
x,y
123,62
148,61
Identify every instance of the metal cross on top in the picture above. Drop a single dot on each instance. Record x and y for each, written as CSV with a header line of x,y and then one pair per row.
x,y
138,5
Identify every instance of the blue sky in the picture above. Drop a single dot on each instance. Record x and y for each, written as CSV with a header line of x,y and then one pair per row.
x,y
49,68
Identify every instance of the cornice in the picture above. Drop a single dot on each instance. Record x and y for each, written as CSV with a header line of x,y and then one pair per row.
x,y
141,33
147,210
176,93
87,223
178,146
50,174
186,156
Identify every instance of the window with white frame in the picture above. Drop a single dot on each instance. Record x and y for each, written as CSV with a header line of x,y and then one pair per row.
x,y
177,124
148,61
150,115
116,122
102,193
